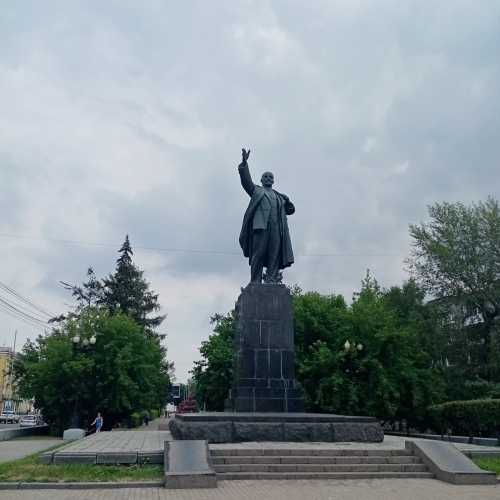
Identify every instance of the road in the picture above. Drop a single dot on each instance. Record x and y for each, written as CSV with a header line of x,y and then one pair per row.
x,y
9,426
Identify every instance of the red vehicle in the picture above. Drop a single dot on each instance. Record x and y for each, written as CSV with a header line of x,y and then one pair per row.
x,y
187,406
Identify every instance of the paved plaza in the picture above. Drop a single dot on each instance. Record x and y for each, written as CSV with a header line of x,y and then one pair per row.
x,y
379,489
120,441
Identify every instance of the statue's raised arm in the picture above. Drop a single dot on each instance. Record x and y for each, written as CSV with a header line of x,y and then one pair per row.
x,y
244,171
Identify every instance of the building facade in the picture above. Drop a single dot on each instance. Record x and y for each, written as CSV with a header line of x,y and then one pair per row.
x,y
9,400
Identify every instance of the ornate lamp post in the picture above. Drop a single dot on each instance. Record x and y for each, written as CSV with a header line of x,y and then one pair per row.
x,y
351,350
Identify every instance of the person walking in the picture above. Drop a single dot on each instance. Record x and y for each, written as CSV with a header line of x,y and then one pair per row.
x,y
98,421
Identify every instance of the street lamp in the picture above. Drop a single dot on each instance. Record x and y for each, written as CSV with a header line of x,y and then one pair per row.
x,y
351,349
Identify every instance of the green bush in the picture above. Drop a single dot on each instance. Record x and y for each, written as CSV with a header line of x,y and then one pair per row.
x,y
154,413
476,417
136,419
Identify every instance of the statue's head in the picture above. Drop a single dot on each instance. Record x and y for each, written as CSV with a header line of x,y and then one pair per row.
x,y
267,179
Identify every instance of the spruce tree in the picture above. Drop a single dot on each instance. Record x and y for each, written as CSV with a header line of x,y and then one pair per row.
x,y
128,292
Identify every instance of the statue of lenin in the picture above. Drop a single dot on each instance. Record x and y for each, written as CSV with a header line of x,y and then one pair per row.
x,y
265,238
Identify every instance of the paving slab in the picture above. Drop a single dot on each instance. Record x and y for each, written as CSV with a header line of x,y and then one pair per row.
x,y
361,489
118,447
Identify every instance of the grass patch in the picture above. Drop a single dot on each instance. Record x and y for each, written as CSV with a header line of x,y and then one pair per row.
x,y
30,469
491,464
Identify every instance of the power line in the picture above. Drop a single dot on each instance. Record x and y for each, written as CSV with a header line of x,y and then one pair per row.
x,y
22,313
187,250
9,313
21,309
27,301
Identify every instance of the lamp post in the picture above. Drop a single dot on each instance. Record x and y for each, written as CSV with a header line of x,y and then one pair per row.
x,y
351,349
81,342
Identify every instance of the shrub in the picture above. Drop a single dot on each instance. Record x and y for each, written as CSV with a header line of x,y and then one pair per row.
x,y
136,419
476,417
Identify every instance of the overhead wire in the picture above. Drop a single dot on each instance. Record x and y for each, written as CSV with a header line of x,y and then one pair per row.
x,y
26,300
20,312
20,318
187,250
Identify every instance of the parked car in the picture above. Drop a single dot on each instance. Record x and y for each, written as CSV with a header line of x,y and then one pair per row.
x,y
30,420
9,417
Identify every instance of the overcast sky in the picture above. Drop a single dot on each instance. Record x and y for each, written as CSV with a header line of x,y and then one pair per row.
x,y
124,117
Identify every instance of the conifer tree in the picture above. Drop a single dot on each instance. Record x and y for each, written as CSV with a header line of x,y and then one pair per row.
x,y
127,291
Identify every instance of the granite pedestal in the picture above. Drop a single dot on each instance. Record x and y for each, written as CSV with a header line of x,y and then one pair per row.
x,y
229,427
264,356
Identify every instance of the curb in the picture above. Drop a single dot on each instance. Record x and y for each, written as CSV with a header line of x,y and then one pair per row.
x,y
81,486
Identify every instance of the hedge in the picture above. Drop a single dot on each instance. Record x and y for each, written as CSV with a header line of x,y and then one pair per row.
x,y
475,417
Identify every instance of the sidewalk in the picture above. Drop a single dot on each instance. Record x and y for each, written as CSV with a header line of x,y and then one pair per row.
x,y
22,447
154,425
379,489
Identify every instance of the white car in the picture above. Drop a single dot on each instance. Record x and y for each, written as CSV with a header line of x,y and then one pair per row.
x,y
9,417
30,421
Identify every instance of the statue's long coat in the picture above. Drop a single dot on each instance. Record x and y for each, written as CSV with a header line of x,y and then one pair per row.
x,y
285,207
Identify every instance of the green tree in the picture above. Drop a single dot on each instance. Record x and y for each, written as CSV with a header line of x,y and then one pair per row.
x,y
122,373
318,317
456,258
127,291
88,294
212,375
372,362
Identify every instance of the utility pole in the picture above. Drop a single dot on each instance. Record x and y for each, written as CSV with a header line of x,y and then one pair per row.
x,y
11,375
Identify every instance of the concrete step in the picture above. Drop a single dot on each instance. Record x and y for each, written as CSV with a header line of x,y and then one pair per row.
x,y
395,459
323,475
303,468
282,452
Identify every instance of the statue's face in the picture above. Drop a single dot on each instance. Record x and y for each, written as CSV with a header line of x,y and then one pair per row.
x,y
267,179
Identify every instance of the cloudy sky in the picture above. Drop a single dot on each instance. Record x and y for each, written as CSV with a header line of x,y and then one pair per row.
x,y
124,117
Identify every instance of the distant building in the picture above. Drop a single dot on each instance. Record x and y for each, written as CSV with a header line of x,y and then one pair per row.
x,y
178,393
9,400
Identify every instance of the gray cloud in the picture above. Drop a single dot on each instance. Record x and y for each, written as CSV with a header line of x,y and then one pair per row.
x,y
126,118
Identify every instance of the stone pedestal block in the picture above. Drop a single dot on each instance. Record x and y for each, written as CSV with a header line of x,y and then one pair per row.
x,y
227,427
73,434
264,357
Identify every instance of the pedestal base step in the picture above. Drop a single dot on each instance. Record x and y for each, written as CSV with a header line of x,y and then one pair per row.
x,y
304,464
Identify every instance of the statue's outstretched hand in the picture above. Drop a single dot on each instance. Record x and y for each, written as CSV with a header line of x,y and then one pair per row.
x,y
244,156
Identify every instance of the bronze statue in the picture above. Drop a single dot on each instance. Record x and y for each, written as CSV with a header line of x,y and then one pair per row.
x,y
264,237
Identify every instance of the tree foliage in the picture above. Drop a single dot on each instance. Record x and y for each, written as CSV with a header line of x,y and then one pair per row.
x,y
369,360
122,373
212,375
456,258
127,291
457,253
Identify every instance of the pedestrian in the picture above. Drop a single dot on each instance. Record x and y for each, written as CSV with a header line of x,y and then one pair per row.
x,y
146,418
98,421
